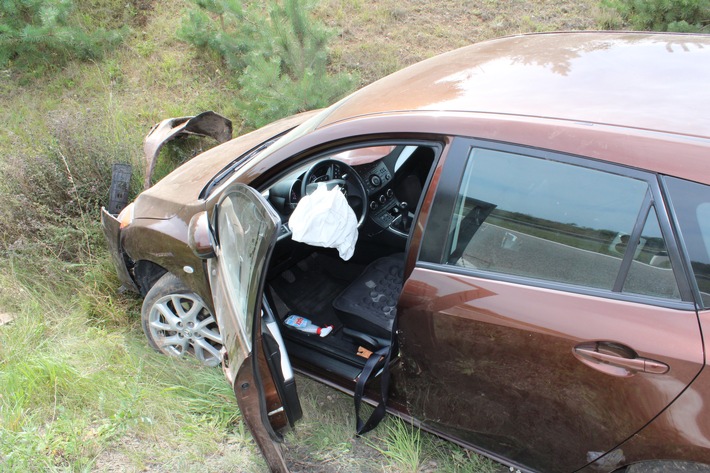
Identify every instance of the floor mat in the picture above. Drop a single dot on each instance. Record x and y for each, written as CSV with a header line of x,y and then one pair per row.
x,y
309,287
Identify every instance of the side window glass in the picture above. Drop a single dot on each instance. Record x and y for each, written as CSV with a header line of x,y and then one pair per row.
x,y
233,231
691,203
544,219
404,156
651,273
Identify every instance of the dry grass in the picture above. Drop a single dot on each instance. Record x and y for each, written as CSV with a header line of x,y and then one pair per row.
x,y
378,37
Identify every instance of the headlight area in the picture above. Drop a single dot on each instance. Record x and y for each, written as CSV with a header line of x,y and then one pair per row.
x,y
125,218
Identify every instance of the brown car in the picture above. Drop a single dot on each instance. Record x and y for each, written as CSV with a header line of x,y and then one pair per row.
x,y
529,219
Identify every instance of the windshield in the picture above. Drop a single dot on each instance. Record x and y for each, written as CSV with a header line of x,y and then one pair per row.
x,y
301,130
227,171
271,146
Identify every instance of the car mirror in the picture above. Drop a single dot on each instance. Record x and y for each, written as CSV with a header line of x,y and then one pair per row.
x,y
198,236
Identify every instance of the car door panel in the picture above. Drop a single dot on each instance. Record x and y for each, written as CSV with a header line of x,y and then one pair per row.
x,y
543,363
520,392
254,355
280,367
682,430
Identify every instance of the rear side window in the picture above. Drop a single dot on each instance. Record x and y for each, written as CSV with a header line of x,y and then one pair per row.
x,y
650,273
555,221
691,205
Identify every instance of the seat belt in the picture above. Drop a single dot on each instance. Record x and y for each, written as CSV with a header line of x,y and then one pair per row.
x,y
381,409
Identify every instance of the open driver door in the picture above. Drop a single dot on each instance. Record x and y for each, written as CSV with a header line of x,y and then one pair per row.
x,y
238,245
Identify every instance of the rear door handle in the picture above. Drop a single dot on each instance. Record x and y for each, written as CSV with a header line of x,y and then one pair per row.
x,y
600,355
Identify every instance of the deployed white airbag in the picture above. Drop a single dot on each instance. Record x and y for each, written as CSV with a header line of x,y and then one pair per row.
x,y
325,219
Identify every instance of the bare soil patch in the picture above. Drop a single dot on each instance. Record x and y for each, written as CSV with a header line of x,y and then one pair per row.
x,y
6,318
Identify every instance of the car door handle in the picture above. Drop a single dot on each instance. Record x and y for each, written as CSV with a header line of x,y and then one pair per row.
x,y
602,353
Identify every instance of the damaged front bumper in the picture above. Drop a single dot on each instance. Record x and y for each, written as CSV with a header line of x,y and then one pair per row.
x,y
112,231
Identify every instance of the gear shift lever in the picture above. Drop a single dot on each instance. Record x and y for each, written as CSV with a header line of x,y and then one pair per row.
x,y
403,206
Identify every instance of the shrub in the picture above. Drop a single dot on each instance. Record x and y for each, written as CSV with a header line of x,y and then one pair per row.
x,y
278,54
42,33
223,27
52,185
663,15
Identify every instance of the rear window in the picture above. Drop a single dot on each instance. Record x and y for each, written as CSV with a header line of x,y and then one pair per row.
x,y
543,219
691,204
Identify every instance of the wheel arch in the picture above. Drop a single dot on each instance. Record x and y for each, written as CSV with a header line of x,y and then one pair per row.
x,y
176,321
146,273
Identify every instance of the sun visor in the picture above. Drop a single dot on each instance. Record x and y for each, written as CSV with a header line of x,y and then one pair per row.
x,y
325,219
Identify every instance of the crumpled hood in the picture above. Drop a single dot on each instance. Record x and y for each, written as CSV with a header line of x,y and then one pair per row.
x,y
182,187
205,124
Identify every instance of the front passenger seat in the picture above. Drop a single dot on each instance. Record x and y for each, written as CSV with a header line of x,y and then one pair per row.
x,y
369,303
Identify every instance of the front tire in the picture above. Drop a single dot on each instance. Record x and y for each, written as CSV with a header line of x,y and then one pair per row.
x,y
177,322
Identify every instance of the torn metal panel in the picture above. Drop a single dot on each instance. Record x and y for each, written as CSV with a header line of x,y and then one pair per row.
x,y
205,124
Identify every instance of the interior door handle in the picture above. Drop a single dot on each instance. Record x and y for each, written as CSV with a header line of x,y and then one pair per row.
x,y
600,355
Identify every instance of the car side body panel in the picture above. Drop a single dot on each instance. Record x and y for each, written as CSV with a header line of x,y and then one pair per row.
x,y
173,254
510,349
680,432
470,332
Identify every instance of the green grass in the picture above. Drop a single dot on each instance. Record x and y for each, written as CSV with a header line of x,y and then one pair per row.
x,y
406,449
78,391
325,441
402,446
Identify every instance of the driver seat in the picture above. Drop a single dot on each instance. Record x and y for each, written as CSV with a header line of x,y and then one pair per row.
x,y
369,304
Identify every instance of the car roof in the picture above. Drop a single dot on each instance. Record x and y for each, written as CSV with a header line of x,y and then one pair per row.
x,y
649,81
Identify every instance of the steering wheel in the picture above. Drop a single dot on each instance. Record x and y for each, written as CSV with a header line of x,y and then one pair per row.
x,y
336,173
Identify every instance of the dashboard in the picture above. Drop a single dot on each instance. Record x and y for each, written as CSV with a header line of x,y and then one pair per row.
x,y
371,186
368,188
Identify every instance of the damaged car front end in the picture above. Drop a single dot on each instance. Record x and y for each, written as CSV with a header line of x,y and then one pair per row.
x,y
148,239
209,124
